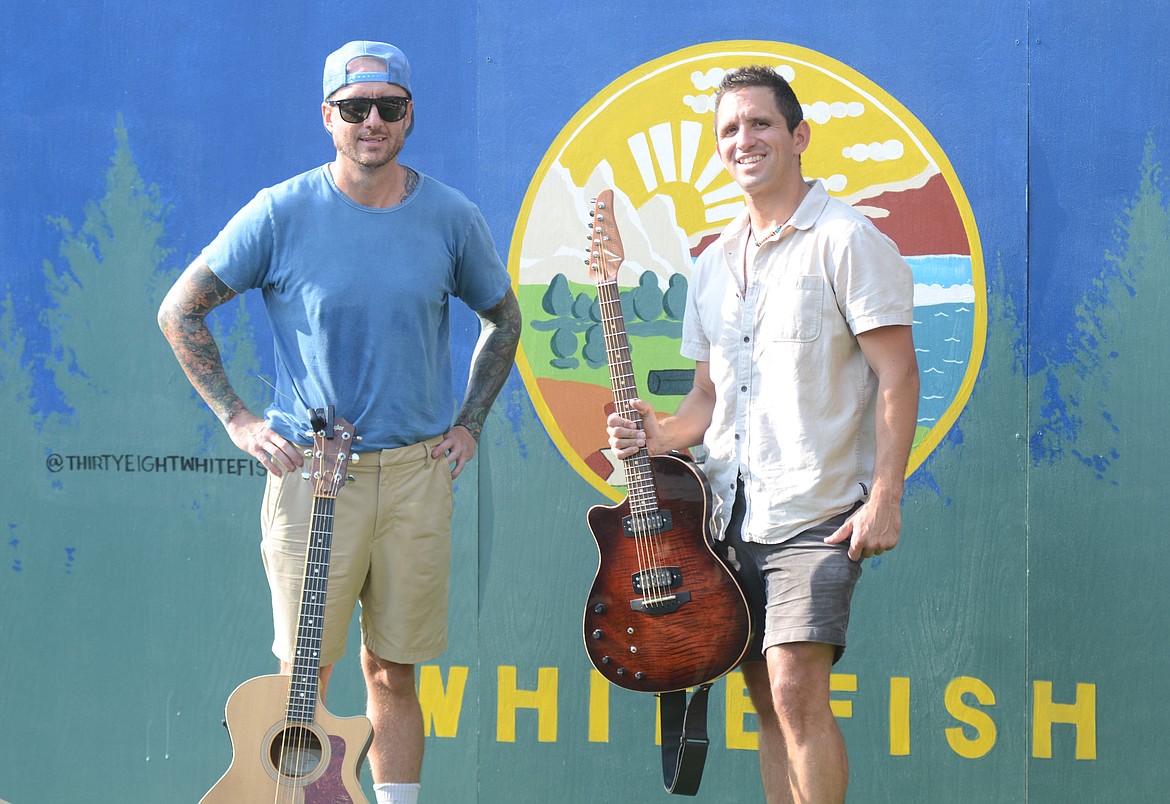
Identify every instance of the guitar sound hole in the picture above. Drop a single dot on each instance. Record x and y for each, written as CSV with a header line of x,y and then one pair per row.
x,y
296,752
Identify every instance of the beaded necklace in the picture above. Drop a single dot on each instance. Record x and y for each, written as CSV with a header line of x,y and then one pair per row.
x,y
768,236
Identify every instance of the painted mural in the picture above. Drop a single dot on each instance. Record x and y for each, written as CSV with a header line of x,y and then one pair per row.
x,y
649,135
1010,650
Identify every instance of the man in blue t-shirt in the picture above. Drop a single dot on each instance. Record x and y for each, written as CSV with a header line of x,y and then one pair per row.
x,y
356,261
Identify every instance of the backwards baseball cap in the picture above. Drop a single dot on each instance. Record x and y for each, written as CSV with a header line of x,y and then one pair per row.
x,y
397,68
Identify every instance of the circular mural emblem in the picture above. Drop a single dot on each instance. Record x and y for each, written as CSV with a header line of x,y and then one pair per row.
x,y
649,136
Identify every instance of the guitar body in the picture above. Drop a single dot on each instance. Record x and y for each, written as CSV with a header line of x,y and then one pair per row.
x,y
320,761
665,612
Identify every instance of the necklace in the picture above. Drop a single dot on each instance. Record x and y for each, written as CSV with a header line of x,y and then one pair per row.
x,y
768,236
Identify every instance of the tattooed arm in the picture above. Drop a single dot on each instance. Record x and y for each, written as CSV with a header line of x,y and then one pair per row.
x,y
183,321
490,366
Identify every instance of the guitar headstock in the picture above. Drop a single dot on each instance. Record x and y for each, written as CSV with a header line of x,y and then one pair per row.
x,y
605,243
333,443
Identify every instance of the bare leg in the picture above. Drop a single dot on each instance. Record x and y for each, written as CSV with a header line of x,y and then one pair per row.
x,y
813,752
773,754
392,707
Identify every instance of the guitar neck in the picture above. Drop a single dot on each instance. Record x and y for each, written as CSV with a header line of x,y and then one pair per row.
x,y
643,495
302,694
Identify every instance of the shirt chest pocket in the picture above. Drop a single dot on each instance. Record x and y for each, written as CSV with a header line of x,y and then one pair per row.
x,y
792,310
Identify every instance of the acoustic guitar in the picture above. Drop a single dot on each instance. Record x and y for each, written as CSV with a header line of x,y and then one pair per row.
x,y
286,747
665,612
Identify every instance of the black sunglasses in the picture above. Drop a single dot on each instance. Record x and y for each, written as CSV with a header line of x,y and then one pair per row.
x,y
356,110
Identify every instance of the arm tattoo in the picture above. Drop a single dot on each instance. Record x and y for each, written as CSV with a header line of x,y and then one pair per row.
x,y
491,363
182,319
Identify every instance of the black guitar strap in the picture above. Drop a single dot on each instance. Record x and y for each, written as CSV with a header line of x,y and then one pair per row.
x,y
684,739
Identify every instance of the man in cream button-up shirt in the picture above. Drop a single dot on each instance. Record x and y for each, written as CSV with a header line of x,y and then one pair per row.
x,y
806,397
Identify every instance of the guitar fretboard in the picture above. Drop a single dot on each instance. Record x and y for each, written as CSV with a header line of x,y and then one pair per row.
x,y
643,494
302,695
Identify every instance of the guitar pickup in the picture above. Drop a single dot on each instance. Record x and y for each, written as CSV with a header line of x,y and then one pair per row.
x,y
654,579
647,524
661,604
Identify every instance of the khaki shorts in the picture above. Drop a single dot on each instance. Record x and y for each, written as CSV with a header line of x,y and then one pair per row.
x,y
391,552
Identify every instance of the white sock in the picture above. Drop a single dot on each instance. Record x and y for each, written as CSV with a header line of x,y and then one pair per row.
x,y
391,793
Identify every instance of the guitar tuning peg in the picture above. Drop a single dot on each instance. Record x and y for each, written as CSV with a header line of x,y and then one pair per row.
x,y
308,453
601,205
308,434
350,479
357,439
354,457
305,475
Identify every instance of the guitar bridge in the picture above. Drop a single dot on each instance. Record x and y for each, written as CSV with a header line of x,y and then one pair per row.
x,y
660,604
647,524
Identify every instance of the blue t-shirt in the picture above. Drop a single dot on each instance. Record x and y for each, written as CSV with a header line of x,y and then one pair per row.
x,y
357,298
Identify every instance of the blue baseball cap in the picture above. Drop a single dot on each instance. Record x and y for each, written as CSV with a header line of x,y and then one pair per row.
x,y
397,69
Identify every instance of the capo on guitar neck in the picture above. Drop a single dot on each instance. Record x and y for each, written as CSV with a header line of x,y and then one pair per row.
x,y
321,420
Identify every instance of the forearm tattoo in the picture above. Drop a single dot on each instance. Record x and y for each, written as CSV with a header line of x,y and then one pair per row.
x,y
492,362
182,319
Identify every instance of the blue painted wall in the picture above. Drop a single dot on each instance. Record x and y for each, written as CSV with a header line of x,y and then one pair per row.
x,y
1008,651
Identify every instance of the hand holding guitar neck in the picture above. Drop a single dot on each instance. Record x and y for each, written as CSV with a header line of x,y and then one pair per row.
x,y
633,429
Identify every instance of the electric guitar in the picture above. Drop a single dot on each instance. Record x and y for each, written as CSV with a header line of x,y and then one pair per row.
x,y
665,612
286,747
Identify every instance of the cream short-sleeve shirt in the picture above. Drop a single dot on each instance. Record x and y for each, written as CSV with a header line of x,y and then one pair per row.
x,y
795,398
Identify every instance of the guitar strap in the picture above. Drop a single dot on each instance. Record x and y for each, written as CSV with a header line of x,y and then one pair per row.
x,y
684,739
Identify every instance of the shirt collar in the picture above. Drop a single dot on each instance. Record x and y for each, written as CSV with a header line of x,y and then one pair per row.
x,y
811,206
804,217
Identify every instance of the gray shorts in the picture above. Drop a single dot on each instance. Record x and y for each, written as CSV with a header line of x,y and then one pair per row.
x,y
799,590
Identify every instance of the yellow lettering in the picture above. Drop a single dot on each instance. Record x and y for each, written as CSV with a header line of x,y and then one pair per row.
x,y
658,720
739,706
985,733
842,682
899,716
543,699
1082,714
966,699
598,708
441,707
